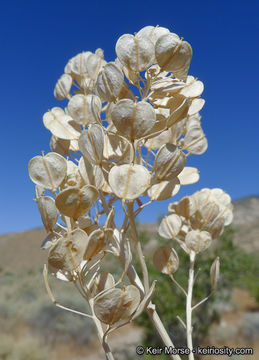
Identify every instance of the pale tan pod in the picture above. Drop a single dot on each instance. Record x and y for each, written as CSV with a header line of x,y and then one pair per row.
x,y
67,253
133,120
59,124
184,207
117,148
109,82
196,106
222,198
85,109
109,223
195,141
103,281
129,181
208,212
73,176
173,55
48,171
92,175
153,33
94,65
197,240
63,86
216,228
75,202
157,141
59,146
77,65
189,175
166,260
117,305
214,273
178,110
48,212
169,162
164,189
98,241
91,143
170,226
193,88
135,53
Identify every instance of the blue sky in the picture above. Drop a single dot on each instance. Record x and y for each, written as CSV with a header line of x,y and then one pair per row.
x,y
37,39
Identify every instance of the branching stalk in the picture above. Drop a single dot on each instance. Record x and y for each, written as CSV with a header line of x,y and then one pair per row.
x,y
189,306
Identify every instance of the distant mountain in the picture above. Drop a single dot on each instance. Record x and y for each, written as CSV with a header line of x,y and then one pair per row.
x,y
19,251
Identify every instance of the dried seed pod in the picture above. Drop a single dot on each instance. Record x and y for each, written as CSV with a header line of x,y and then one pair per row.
x,y
152,33
75,202
94,65
133,120
109,82
117,148
166,260
98,241
59,146
91,143
73,177
103,281
183,208
169,162
78,64
92,175
135,53
197,240
63,86
195,141
173,55
189,175
48,212
216,228
117,305
195,106
48,171
129,181
214,273
85,109
67,253
164,189
208,212
157,141
59,124
170,226
193,88
178,110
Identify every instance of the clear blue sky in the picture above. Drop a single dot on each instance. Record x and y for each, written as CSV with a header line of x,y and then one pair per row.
x,y
37,39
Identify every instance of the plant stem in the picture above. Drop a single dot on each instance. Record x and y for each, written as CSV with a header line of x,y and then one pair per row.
x,y
102,339
189,306
138,246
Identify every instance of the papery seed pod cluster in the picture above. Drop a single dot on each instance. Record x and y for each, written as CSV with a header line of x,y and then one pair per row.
x,y
126,130
196,220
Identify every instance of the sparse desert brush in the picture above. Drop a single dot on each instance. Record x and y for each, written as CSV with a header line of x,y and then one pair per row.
x,y
125,136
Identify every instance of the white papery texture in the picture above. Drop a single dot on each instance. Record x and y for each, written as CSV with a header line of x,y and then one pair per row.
x,y
67,253
75,202
152,33
60,124
170,226
85,109
129,181
197,240
109,82
169,162
48,212
173,55
117,305
133,120
164,189
135,53
63,86
48,171
91,143
166,260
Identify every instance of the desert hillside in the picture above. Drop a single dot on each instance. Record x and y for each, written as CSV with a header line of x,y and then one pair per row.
x,y
34,329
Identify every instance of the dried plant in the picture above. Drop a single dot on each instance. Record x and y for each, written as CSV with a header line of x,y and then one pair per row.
x,y
127,132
